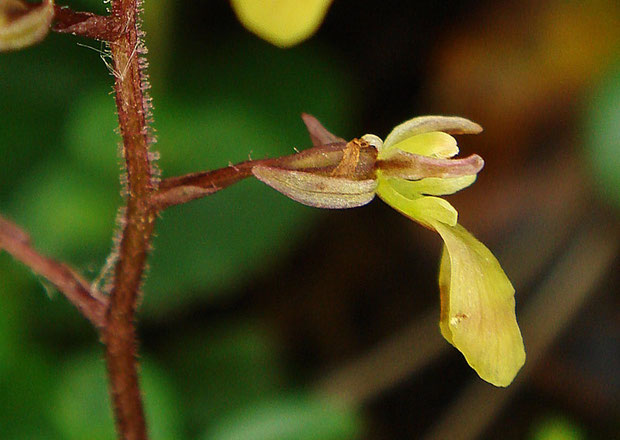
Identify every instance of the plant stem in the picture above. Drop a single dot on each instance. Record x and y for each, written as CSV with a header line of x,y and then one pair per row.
x,y
183,189
86,24
16,242
120,334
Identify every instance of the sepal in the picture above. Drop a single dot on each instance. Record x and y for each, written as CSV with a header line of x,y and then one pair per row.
x,y
317,190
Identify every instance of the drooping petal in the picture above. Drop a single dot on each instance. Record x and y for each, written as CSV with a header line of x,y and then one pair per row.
x,y
316,190
424,210
425,124
24,24
283,23
431,186
434,143
478,307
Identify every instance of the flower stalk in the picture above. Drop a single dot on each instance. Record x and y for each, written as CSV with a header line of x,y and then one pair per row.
x,y
137,228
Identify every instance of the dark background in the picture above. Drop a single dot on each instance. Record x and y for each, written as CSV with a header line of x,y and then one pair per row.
x,y
265,319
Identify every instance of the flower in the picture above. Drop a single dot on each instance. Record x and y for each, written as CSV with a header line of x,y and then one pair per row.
x,y
408,171
477,299
23,24
283,23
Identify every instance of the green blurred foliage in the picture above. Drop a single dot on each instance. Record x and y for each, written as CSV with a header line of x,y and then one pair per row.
x,y
26,371
61,165
222,369
295,417
603,135
81,406
556,428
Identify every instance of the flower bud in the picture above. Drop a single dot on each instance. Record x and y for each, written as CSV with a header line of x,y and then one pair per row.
x,y
23,24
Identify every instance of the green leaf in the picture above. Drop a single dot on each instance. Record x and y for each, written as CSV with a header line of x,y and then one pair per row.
x,y
68,213
224,369
557,427
35,105
10,323
25,386
295,417
80,408
603,136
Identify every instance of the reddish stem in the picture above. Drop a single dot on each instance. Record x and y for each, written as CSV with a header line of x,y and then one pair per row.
x,y
77,290
86,24
183,189
120,334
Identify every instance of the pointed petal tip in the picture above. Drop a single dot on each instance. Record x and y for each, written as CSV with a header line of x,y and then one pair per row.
x,y
477,162
458,125
319,135
473,128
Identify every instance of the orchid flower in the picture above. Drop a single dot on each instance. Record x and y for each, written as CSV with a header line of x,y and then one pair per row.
x,y
408,171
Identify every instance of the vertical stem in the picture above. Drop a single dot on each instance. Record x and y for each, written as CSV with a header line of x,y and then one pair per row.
x,y
120,334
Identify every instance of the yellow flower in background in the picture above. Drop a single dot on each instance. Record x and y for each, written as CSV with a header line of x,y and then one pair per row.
x,y
283,23
23,24
477,298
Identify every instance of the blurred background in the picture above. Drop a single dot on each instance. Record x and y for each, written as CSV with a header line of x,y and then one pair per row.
x,y
265,319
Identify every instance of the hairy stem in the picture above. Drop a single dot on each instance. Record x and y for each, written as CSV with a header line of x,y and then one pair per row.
x,y
183,189
16,242
120,334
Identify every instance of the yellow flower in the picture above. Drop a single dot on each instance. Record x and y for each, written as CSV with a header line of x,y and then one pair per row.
x,y
408,171
23,24
283,23
477,299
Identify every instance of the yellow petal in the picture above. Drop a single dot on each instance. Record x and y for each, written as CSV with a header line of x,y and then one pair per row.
x,y
432,186
478,307
434,143
21,25
283,23
426,124
424,210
